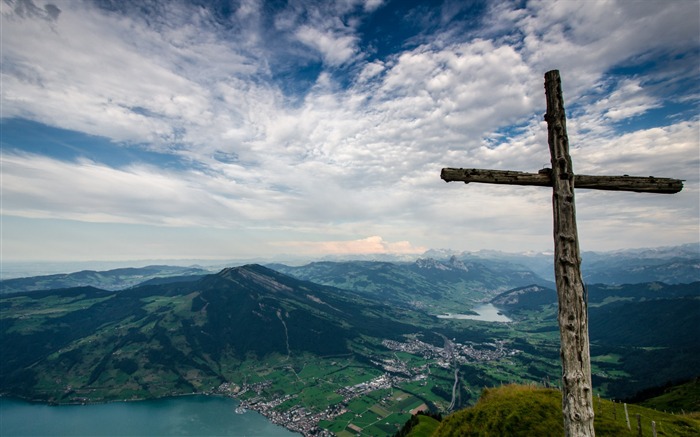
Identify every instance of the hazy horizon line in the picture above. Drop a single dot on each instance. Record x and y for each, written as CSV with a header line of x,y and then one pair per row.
x,y
10,269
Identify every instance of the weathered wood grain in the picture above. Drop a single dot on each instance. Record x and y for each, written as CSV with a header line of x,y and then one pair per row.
x,y
638,184
577,389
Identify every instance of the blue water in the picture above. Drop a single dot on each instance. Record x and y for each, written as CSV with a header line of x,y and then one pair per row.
x,y
202,416
485,313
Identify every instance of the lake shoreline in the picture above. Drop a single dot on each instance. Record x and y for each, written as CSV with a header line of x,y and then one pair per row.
x,y
187,415
485,312
110,401
254,407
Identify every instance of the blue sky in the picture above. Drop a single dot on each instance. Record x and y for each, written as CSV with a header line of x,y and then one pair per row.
x,y
254,129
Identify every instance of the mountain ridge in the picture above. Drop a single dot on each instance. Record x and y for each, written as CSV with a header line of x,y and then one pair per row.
x,y
153,325
329,353
114,279
539,262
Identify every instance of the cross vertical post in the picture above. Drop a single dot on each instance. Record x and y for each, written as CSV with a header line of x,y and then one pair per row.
x,y
577,393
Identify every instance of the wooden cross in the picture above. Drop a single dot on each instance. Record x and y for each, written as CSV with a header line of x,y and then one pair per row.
x,y
577,398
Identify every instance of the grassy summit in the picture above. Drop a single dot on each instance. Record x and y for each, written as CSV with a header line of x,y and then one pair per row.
x,y
517,410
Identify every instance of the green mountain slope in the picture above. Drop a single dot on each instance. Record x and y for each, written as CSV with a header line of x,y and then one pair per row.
x,y
428,284
678,398
642,335
107,280
382,280
486,276
516,410
86,343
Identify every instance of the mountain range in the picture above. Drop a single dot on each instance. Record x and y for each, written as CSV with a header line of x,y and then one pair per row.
x,y
115,279
651,329
337,344
426,283
671,265
166,338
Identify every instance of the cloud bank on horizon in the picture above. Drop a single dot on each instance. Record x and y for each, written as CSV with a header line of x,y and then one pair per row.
x,y
222,129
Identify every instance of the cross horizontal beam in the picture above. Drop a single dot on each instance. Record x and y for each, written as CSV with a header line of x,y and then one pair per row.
x,y
637,184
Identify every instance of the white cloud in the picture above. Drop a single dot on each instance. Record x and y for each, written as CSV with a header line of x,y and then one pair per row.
x,y
369,71
125,81
372,5
340,160
366,246
627,101
335,49
40,187
670,151
585,39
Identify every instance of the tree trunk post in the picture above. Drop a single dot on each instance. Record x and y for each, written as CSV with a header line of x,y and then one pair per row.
x,y
577,398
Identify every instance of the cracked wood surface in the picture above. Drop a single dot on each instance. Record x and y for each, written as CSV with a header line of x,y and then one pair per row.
x,y
577,389
543,178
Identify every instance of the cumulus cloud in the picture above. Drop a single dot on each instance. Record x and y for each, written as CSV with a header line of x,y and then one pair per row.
x,y
359,150
373,245
335,49
127,81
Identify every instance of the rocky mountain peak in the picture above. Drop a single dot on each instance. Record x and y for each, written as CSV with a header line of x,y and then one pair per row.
x,y
457,264
430,263
453,263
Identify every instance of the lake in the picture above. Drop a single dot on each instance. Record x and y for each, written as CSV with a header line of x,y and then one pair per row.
x,y
179,416
486,313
